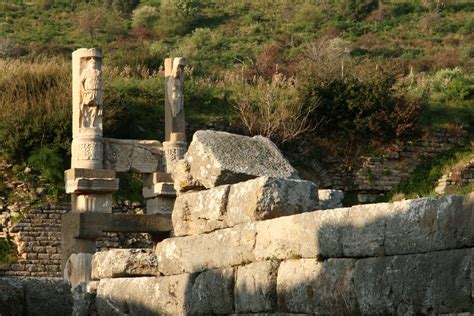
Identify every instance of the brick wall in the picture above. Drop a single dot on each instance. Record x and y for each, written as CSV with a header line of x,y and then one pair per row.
x,y
38,241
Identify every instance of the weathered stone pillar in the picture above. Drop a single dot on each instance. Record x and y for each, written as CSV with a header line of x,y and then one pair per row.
x,y
87,146
174,96
174,150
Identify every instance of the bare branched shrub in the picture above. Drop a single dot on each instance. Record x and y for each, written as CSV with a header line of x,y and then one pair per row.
x,y
272,109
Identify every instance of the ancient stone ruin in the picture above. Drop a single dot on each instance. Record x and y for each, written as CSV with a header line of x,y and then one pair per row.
x,y
237,231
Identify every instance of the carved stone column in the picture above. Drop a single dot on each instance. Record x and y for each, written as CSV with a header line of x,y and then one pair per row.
x,y
87,146
174,96
174,150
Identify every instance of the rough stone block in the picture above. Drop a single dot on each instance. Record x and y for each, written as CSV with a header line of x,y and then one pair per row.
x,y
198,212
130,296
219,249
217,158
211,293
307,235
183,180
124,263
255,287
309,286
411,226
265,198
11,297
431,283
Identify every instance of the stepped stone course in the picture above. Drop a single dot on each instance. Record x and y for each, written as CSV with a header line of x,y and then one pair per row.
x,y
421,225
253,200
217,158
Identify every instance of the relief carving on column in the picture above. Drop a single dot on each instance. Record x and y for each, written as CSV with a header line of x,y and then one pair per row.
x,y
91,94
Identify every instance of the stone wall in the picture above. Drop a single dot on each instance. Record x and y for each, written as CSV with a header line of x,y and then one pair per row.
x,y
38,240
382,173
409,257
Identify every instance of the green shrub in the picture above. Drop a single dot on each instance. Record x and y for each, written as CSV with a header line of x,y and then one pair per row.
x,y
144,16
7,251
272,109
48,163
177,17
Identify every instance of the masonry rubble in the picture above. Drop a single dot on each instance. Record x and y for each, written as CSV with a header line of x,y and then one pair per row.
x,y
278,253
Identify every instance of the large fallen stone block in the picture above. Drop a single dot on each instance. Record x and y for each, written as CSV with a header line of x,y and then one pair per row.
x,y
255,287
411,226
253,200
431,283
219,249
124,263
309,286
217,158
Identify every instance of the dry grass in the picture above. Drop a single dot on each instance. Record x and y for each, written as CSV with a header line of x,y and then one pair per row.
x,y
31,88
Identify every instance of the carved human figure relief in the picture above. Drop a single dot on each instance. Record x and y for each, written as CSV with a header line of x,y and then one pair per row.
x,y
175,87
91,94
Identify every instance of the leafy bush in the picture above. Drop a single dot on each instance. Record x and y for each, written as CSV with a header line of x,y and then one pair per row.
x,y
144,16
272,109
48,163
355,9
7,251
177,17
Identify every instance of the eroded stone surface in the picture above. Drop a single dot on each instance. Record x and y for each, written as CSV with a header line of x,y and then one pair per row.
x,y
198,212
217,158
219,249
432,283
411,226
253,200
211,293
129,296
123,263
307,235
265,198
255,287
309,286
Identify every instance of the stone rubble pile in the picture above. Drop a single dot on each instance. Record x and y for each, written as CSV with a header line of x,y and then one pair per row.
x,y
408,257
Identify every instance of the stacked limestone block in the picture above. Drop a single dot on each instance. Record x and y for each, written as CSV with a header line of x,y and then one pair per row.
x,y
409,257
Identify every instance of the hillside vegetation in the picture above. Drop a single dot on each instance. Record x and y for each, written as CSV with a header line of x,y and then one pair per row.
x,y
343,76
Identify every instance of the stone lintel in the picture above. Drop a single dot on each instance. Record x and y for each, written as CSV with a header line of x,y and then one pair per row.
x,y
165,189
91,225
